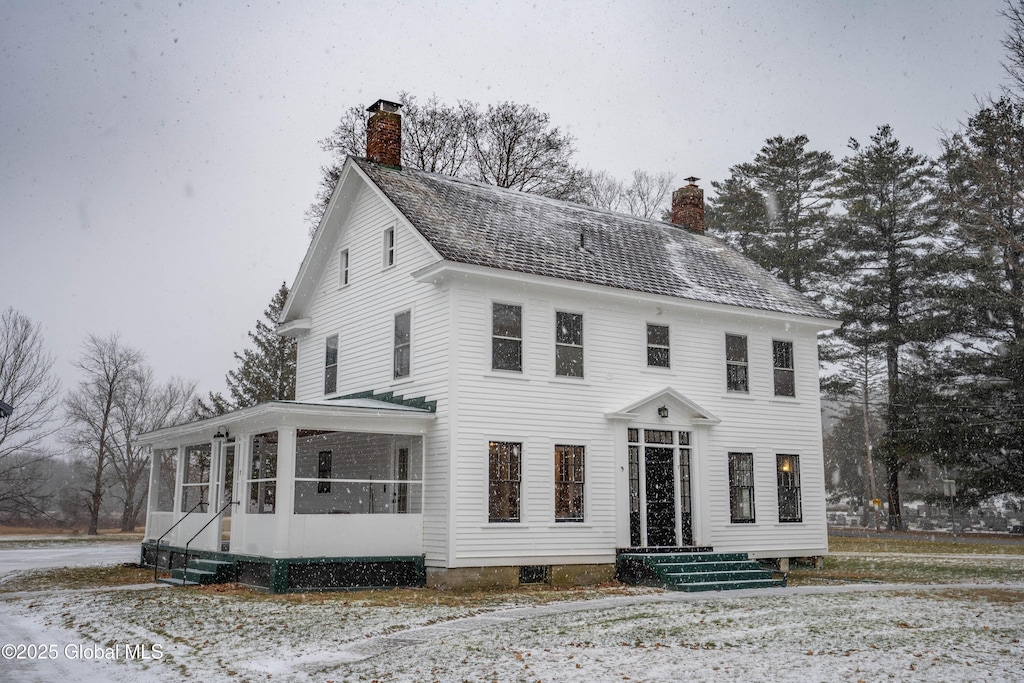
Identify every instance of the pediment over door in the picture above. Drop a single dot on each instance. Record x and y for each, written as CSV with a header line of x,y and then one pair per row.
x,y
650,409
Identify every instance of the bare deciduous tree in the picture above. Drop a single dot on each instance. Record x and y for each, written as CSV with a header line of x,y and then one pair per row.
x,y
110,368
646,194
143,406
26,384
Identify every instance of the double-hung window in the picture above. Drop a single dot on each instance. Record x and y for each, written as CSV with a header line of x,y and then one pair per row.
x,y
504,467
741,488
736,363
782,361
507,337
343,268
657,346
788,469
389,247
403,343
331,365
569,483
569,344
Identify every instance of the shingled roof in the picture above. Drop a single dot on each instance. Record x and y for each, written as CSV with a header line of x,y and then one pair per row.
x,y
478,224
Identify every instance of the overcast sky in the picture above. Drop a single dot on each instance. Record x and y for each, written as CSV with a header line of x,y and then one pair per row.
x,y
157,158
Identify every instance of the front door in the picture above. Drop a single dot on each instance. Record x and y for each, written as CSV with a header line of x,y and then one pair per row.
x,y
659,487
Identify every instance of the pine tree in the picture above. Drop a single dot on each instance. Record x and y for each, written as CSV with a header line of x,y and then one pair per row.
x,y
775,210
895,276
266,372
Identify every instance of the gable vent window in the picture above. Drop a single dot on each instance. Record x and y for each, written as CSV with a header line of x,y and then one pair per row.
x,y
657,346
331,365
507,340
403,343
569,344
389,247
782,360
343,268
736,363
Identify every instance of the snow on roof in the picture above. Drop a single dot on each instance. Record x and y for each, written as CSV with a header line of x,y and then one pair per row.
x,y
479,224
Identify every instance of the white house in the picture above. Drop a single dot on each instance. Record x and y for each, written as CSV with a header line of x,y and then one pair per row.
x,y
494,386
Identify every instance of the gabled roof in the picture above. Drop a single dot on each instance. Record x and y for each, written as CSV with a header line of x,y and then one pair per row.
x,y
478,224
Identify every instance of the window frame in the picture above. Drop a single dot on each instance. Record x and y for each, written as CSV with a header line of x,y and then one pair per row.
x,y
566,346
343,268
498,339
500,455
262,477
331,369
788,486
667,346
196,490
737,371
570,492
741,491
398,347
777,369
389,247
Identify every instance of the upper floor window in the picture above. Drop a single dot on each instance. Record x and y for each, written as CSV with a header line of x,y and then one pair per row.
x,y
741,487
657,346
736,363
788,469
403,343
569,344
343,268
782,360
331,365
504,467
389,247
569,483
507,339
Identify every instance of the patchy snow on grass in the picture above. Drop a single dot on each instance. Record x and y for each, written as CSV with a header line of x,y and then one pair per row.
x,y
817,633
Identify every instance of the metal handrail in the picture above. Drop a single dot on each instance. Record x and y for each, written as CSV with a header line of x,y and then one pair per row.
x,y
201,530
156,557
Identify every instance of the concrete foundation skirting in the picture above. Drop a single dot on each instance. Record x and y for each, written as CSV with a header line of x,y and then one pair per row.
x,y
509,577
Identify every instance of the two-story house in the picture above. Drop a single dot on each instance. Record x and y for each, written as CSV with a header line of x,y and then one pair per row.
x,y
497,387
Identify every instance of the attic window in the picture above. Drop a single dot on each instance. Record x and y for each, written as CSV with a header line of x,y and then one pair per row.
x,y
343,268
389,247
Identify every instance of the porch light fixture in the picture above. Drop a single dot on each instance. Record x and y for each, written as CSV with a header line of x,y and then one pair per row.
x,y
221,435
663,411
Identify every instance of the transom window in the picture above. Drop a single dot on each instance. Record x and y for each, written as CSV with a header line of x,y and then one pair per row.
x,y
507,339
569,483
657,346
788,469
331,365
504,480
741,487
403,343
569,344
736,363
782,360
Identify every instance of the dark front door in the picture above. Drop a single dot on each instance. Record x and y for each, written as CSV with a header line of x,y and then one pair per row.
x,y
661,497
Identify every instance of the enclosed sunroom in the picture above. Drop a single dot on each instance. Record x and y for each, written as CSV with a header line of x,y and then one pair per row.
x,y
293,495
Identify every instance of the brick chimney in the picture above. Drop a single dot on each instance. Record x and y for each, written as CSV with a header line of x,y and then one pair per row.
x,y
384,133
688,206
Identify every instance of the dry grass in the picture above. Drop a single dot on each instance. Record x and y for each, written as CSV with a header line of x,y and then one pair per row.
x,y
69,578
856,544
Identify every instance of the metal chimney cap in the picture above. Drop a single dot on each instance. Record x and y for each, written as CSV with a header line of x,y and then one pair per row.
x,y
384,105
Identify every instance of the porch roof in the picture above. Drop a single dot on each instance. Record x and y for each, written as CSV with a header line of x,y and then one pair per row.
x,y
360,414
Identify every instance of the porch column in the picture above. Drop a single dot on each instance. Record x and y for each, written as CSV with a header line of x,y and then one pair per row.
x,y
153,497
284,506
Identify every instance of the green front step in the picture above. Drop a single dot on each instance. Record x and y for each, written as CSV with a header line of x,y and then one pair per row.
x,y
700,571
203,572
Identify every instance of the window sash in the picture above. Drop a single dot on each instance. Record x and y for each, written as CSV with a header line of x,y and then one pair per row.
x,y
507,337
658,348
343,267
569,344
504,481
736,363
569,483
403,343
788,470
389,247
784,373
741,488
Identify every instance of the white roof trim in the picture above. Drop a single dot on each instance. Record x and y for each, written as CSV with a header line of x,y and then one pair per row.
x,y
294,328
700,416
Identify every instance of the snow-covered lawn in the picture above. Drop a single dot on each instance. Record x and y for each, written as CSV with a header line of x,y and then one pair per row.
x,y
956,632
